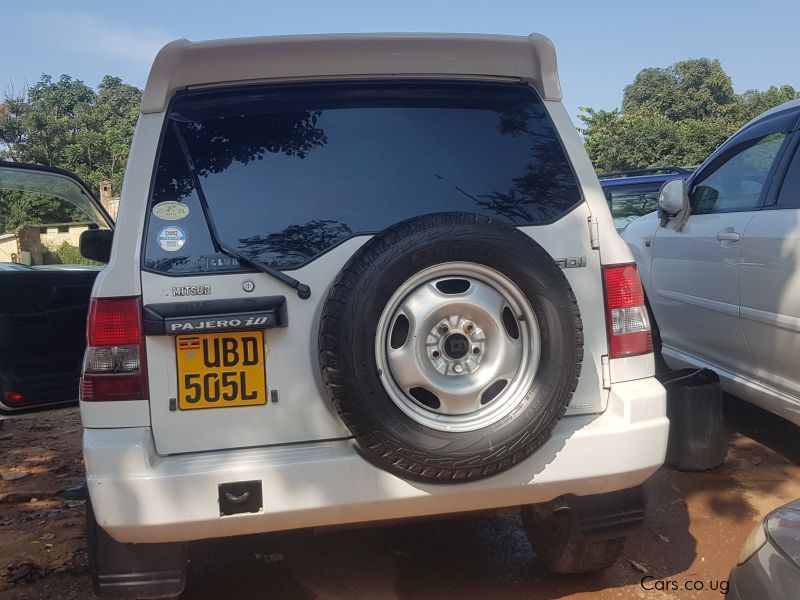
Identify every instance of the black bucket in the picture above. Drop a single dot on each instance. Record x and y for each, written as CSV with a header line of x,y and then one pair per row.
x,y
696,427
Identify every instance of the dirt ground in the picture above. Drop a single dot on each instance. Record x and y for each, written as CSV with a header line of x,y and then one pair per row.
x,y
696,526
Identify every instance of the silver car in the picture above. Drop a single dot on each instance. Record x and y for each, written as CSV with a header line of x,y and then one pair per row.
x,y
769,566
721,264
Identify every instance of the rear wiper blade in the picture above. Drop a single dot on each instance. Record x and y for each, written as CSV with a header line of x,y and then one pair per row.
x,y
303,291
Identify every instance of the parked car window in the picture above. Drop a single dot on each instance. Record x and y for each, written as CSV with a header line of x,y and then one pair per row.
x,y
41,231
734,181
290,172
737,184
629,202
789,196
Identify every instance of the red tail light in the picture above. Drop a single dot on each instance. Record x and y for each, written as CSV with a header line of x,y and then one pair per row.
x,y
626,314
114,322
12,397
114,366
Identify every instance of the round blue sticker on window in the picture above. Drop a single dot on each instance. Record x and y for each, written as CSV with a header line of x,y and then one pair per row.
x,y
171,239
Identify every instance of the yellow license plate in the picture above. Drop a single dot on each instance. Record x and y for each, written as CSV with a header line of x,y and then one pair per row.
x,y
218,370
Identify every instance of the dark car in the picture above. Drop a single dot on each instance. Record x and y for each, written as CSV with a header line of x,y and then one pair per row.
x,y
769,566
6,266
43,307
631,194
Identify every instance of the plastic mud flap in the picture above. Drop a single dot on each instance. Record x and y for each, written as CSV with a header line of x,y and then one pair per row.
x,y
133,570
607,516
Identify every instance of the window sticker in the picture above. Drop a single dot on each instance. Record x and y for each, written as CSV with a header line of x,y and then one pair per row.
x,y
171,211
171,239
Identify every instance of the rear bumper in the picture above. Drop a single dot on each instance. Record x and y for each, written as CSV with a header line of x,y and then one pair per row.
x,y
139,496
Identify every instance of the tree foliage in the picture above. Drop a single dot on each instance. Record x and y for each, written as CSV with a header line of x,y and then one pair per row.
x,y
17,208
67,254
673,116
297,243
65,123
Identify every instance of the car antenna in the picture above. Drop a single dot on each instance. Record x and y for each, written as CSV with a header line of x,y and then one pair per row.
x,y
303,291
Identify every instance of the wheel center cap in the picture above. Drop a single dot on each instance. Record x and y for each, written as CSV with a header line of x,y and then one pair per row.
x,y
456,346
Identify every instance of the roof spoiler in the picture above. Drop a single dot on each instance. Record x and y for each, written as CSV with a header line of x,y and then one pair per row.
x,y
182,64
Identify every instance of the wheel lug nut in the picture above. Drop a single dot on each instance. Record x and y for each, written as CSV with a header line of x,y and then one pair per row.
x,y
476,350
435,354
443,329
469,327
458,368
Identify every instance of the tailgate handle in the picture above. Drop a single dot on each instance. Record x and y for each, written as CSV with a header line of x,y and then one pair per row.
x,y
175,318
240,497
237,499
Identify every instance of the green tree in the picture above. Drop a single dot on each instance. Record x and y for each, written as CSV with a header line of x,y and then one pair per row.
x,y
17,208
67,254
111,119
42,124
673,116
65,123
754,102
689,89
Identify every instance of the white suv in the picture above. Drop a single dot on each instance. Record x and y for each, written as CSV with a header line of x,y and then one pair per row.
x,y
723,277
357,278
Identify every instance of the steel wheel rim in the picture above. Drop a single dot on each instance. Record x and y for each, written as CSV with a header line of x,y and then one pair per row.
x,y
458,345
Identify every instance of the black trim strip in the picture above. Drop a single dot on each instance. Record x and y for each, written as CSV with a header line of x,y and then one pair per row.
x,y
265,312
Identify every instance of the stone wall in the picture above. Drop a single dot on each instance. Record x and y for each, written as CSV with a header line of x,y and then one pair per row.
x,y
53,236
8,248
29,241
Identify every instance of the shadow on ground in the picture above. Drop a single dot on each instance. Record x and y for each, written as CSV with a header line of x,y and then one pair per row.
x,y
697,523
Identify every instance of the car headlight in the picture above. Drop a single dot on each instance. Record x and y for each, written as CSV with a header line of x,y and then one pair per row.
x,y
783,528
756,539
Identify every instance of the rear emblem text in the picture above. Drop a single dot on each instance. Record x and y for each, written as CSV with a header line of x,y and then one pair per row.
x,y
191,290
572,262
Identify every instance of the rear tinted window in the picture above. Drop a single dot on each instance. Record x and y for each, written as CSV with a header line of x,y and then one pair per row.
x,y
290,172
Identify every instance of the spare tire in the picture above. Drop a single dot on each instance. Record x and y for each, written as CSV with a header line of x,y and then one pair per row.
x,y
450,345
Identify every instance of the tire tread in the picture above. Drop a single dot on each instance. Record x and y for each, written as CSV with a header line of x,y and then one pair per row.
x,y
338,312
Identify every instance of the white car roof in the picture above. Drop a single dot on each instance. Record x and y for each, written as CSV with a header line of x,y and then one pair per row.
x,y
183,64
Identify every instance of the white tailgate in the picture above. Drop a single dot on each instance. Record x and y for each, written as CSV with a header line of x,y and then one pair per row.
x,y
303,411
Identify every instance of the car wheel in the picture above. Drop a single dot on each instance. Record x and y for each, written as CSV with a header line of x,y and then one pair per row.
x,y
450,345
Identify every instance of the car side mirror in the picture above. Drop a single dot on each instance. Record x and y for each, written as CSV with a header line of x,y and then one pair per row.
x,y
673,197
95,244
673,201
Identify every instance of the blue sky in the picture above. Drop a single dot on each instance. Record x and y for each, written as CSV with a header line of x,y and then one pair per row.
x,y
601,45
